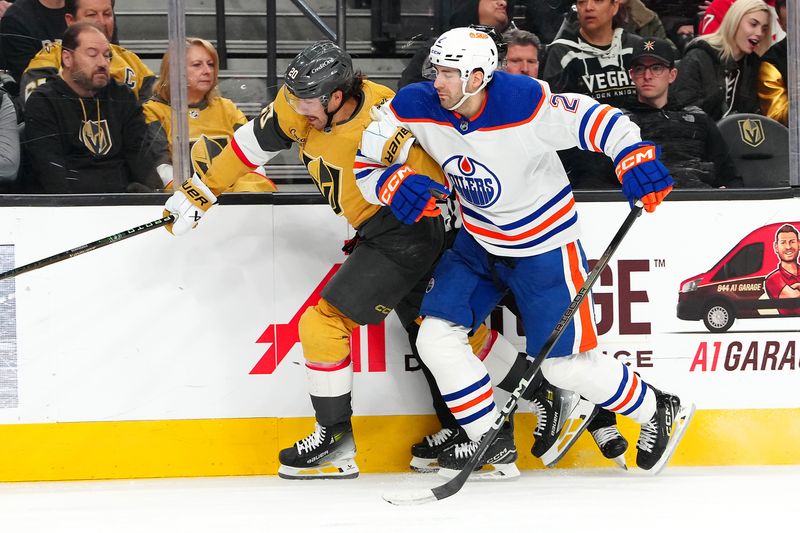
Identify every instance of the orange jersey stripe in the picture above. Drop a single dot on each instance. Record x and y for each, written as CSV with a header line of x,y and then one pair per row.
x,y
472,402
533,231
588,337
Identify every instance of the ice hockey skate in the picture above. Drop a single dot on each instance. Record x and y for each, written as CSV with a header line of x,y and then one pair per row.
x,y
562,416
606,435
660,436
497,462
425,454
328,453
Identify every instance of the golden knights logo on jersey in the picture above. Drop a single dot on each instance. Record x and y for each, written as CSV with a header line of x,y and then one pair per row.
x,y
204,150
96,136
327,178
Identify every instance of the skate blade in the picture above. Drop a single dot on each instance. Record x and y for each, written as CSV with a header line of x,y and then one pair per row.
x,y
490,472
682,419
338,470
424,466
574,426
620,461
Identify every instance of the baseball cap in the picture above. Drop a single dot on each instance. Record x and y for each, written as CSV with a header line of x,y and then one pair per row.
x,y
659,49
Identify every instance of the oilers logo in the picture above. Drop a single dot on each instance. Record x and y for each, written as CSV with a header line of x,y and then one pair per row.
x,y
475,183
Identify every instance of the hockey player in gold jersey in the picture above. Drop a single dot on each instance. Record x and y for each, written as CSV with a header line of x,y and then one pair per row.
x,y
212,118
126,67
324,108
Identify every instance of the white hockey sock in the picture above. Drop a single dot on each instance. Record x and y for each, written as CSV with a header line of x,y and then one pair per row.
x,y
461,377
329,380
498,357
604,381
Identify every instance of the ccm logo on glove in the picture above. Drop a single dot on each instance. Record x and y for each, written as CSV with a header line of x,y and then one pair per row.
x,y
638,156
393,183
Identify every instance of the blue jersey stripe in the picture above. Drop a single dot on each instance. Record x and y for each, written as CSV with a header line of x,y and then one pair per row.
x,y
582,129
621,388
523,221
476,415
608,129
639,400
466,390
539,240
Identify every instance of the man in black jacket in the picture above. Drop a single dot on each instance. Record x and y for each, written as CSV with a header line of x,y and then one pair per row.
x,y
693,148
492,13
83,131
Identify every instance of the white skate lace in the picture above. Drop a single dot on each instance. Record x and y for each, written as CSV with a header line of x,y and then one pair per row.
x,y
647,437
602,436
312,441
541,415
465,449
440,437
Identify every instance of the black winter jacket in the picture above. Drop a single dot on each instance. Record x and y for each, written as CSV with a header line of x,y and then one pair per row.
x,y
692,148
717,88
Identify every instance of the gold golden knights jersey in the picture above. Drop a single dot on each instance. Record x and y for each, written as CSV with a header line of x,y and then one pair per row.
x,y
211,126
328,156
126,68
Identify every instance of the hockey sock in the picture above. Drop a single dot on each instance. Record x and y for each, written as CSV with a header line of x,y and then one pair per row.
x,y
330,386
461,377
604,381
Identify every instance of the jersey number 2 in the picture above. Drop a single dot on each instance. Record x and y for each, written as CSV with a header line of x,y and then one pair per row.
x,y
560,100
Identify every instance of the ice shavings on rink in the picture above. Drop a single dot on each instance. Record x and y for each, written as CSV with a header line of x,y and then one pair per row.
x,y
722,499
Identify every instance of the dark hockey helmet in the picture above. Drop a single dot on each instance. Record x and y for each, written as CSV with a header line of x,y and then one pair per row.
x,y
319,70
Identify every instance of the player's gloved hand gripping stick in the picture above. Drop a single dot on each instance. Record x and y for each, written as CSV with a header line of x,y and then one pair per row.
x,y
409,195
642,175
454,485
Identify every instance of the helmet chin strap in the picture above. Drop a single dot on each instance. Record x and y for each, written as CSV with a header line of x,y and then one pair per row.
x,y
329,123
466,94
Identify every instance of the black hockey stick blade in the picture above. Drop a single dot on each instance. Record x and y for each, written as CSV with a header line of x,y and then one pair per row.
x,y
122,235
457,483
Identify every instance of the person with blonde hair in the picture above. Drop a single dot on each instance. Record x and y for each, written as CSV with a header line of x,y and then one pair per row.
x,y
212,118
719,72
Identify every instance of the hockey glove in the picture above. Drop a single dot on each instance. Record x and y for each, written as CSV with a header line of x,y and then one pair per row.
x,y
409,195
189,203
642,175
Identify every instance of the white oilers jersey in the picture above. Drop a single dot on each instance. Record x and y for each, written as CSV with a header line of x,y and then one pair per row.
x,y
514,195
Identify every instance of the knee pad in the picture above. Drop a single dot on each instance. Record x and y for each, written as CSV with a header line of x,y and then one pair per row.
x,y
441,344
325,333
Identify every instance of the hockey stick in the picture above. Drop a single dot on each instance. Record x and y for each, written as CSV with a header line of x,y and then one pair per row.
x,y
122,235
457,483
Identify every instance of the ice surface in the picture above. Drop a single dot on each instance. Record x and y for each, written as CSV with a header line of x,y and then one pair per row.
x,y
719,500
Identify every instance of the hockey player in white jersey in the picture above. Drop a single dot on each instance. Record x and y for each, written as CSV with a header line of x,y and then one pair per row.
x,y
496,135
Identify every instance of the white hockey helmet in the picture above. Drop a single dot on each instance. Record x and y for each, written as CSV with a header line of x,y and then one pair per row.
x,y
466,49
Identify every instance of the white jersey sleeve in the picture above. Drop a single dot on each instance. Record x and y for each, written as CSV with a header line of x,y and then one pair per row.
x,y
384,143
567,120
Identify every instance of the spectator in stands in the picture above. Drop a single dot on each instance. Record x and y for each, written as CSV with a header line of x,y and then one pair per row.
x,y
522,53
637,18
719,72
4,5
692,146
545,18
678,18
126,67
773,75
714,14
84,131
484,12
593,59
9,143
26,27
212,118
